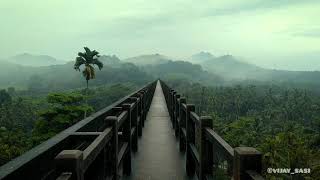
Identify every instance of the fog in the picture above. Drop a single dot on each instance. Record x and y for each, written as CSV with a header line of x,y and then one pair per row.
x,y
281,34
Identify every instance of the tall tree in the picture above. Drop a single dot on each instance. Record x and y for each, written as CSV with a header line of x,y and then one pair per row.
x,y
88,59
4,97
64,110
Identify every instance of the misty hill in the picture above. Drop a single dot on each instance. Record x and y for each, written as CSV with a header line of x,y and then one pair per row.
x,y
209,69
112,61
13,74
26,59
233,69
160,66
201,57
63,76
182,70
152,59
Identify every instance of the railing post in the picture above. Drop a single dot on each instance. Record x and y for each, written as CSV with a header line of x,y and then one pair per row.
x,y
140,123
147,93
169,100
175,110
182,124
246,158
150,91
165,91
178,109
144,106
205,153
134,123
190,163
114,146
127,138
172,104
71,161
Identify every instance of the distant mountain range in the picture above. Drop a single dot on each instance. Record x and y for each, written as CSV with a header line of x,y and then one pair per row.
x,y
152,59
201,67
64,76
227,66
201,57
231,68
26,59
113,60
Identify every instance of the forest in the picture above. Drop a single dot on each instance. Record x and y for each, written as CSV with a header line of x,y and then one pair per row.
x,y
281,118
252,66
44,105
282,123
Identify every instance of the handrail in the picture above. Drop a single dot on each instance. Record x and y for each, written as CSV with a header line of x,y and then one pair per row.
x,y
122,117
202,144
194,116
81,150
214,138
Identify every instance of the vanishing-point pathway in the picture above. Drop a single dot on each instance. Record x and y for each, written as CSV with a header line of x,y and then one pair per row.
x,y
158,157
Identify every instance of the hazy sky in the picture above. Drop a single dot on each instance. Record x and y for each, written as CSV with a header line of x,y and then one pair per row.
x,y
270,33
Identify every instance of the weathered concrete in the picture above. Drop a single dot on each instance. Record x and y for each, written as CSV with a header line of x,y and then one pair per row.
x,y
158,156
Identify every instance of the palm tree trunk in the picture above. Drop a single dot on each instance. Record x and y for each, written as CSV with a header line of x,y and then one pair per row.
x,y
85,112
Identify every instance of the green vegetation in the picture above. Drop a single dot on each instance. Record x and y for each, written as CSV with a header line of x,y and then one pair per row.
x,y
64,110
277,112
26,121
282,123
52,99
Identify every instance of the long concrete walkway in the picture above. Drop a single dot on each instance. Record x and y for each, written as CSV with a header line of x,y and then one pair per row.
x,y
158,156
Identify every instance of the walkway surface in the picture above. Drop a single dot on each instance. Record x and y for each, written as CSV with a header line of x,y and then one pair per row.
x,y
158,156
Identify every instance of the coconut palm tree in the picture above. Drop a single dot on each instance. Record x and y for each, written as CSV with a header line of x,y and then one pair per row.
x,y
89,59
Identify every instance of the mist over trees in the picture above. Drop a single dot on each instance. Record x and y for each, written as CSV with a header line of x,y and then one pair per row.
x,y
277,112
284,124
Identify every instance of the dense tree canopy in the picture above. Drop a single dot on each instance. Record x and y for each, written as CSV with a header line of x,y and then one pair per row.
x,y
281,119
26,121
282,123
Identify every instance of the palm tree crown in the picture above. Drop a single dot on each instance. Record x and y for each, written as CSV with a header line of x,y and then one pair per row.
x,y
89,59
